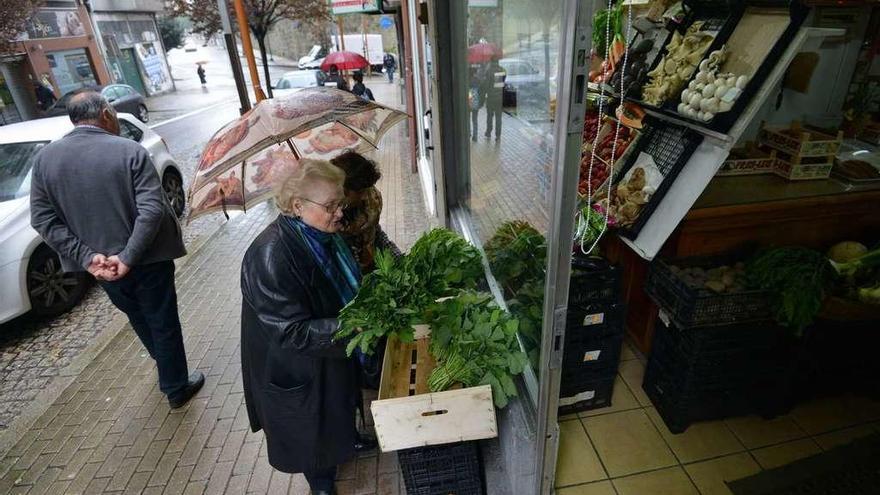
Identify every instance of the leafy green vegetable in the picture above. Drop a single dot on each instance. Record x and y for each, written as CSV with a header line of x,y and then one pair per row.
x,y
528,308
475,343
516,254
796,278
395,295
601,18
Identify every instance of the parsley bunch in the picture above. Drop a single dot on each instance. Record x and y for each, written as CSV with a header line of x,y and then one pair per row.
x,y
395,295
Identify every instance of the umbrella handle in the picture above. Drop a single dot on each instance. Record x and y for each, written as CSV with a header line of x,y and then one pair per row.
x,y
223,204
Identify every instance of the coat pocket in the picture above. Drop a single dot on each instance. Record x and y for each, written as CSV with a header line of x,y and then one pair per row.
x,y
289,401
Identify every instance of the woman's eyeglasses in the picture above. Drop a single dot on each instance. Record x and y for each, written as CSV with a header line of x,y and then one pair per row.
x,y
330,208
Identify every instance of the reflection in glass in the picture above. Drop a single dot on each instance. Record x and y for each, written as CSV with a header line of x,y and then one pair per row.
x,y
512,56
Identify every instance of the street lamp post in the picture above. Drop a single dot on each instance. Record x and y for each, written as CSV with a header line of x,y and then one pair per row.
x,y
233,57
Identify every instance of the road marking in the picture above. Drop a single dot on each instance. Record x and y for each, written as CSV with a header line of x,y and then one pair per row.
x,y
187,115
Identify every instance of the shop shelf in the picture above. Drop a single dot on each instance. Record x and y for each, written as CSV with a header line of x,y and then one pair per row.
x,y
670,146
799,141
694,307
593,393
442,469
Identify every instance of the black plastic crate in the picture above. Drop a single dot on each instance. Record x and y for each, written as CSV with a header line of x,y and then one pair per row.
x,y
724,121
594,394
591,321
695,307
719,16
592,281
450,469
591,355
671,146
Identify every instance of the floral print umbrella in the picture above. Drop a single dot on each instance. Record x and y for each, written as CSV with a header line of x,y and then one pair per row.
x,y
239,164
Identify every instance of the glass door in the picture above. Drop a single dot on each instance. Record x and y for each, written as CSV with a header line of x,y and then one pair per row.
x,y
510,136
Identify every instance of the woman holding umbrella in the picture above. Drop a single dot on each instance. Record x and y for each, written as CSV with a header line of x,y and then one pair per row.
x,y
295,278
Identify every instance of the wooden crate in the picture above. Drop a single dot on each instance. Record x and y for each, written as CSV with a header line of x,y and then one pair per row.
x,y
803,168
799,141
408,415
748,160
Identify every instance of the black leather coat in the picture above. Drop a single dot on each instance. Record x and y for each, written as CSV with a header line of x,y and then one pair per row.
x,y
298,385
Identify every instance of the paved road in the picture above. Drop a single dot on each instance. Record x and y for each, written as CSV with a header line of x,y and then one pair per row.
x,y
34,351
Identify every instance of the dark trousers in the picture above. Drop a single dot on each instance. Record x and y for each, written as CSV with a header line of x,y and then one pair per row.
x,y
148,297
493,111
474,125
322,479
390,73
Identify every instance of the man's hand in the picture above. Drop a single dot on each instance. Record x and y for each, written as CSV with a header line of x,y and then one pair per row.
x,y
119,268
100,269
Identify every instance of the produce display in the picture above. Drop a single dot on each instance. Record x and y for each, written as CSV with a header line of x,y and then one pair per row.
x,y
711,92
630,196
516,253
474,342
604,149
528,308
395,295
683,56
858,271
722,279
628,80
589,227
608,22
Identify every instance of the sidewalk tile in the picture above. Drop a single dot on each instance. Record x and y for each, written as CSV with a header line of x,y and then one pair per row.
x,y
153,455
180,478
220,477
123,474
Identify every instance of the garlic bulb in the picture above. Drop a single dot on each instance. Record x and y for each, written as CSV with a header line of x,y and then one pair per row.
x,y
720,89
709,91
741,82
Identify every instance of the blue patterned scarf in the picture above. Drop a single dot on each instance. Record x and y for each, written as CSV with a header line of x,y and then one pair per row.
x,y
333,256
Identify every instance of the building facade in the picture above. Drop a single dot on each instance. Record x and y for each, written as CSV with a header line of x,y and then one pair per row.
x,y
132,45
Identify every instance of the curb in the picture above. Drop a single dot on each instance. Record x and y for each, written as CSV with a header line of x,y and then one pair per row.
x,y
67,375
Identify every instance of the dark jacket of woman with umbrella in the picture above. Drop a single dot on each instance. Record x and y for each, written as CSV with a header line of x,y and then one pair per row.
x,y
299,387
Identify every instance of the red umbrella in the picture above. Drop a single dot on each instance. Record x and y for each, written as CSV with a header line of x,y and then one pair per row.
x,y
344,61
483,52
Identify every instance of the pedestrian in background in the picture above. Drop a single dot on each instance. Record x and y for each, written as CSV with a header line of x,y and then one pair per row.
x,y
493,88
333,76
105,212
300,388
475,100
359,89
390,65
45,96
201,72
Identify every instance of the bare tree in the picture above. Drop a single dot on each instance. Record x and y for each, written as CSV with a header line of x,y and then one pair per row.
x,y
262,15
13,22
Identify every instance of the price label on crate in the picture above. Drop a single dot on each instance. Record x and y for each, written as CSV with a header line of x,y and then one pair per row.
x,y
592,355
594,319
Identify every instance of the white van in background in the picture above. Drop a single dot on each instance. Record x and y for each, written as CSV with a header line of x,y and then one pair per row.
x,y
375,51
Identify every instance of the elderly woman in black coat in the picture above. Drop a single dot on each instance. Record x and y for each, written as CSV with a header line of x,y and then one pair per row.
x,y
299,386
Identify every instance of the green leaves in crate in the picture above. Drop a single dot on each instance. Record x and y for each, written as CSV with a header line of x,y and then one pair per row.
x,y
474,342
395,295
516,254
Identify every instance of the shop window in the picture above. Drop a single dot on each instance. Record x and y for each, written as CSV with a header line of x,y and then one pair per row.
x,y
511,56
71,69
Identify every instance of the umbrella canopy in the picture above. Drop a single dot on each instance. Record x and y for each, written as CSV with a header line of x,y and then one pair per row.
x,y
344,61
238,165
483,52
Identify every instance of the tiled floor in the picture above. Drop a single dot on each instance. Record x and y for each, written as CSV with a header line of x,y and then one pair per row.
x,y
627,449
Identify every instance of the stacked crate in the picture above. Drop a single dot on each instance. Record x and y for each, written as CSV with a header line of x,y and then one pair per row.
x,y
802,153
714,355
594,335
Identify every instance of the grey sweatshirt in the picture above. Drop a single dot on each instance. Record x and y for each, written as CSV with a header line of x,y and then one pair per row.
x,y
96,193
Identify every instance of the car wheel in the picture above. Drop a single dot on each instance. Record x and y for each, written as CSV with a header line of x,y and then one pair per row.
x,y
51,291
172,184
143,114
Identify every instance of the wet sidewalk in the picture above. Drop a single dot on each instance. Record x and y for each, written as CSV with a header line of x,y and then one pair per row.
x,y
111,430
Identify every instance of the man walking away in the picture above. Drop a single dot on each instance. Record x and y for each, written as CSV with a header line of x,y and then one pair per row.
x,y
97,201
493,80
390,66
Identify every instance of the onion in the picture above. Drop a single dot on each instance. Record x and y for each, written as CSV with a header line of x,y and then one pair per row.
x,y
709,91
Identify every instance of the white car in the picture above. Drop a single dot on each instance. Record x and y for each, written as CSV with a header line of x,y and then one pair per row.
x,y
293,81
31,278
